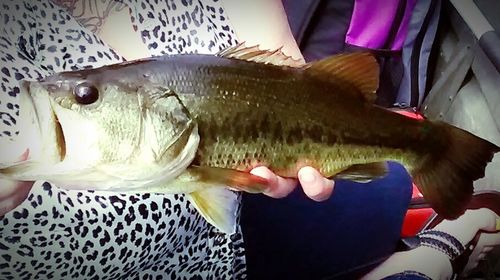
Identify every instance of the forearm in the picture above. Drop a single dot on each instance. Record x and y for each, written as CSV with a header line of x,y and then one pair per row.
x,y
263,23
12,193
427,261
432,262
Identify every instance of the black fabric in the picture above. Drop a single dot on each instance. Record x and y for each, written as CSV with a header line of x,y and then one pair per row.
x,y
391,73
396,23
416,52
490,42
490,10
299,13
319,27
343,237
408,243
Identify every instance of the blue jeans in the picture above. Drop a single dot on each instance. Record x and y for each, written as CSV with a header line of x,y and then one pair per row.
x,y
408,275
342,237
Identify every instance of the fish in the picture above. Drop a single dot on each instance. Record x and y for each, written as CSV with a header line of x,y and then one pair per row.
x,y
197,123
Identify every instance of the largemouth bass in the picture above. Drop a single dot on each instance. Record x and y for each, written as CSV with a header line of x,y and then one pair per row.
x,y
195,123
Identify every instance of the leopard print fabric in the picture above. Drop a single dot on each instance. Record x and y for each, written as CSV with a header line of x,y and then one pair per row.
x,y
66,234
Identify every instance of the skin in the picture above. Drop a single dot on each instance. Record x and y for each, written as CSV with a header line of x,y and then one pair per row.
x,y
436,264
257,32
12,193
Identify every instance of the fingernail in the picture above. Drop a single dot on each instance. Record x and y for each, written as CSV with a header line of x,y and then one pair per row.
x,y
307,177
329,182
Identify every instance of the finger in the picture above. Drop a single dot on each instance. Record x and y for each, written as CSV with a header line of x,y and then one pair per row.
x,y
486,219
315,186
476,219
285,187
278,187
7,188
12,192
489,239
18,192
481,256
6,205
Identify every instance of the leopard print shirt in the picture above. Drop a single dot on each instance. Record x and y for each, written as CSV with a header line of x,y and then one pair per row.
x,y
66,234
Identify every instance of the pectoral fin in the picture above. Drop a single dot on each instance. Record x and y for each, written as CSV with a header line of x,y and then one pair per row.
x,y
218,206
239,180
363,173
19,170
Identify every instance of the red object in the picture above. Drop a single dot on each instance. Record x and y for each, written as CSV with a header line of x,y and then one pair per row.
x,y
414,221
415,218
411,114
416,193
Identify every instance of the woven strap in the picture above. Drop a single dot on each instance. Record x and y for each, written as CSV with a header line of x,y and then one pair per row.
x,y
456,246
442,242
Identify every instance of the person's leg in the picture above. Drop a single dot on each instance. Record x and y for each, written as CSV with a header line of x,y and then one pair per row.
x,y
297,238
446,248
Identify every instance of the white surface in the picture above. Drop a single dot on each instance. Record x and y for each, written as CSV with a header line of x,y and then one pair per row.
x,y
470,112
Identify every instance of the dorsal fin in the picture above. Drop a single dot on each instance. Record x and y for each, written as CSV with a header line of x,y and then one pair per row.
x,y
359,69
255,54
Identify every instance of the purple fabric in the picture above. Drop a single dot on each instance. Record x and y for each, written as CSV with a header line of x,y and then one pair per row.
x,y
403,28
372,21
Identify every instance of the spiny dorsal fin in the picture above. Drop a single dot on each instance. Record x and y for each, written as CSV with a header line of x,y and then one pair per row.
x,y
255,54
359,69
363,173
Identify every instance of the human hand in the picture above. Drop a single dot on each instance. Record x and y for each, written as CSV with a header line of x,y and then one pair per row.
x,y
467,226
487,242
315,186
13,193
435,263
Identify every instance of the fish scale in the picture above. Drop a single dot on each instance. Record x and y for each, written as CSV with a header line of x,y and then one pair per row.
x,y
294,136
328,109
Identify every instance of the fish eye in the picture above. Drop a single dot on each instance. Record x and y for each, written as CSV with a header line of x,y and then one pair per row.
x,y
85,93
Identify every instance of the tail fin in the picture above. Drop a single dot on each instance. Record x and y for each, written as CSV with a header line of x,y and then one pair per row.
x,y
446,176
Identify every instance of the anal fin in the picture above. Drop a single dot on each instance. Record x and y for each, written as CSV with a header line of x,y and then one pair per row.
x,y
215,202
363,173
207,189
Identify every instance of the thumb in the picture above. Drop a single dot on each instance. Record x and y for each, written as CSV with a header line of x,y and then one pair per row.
x,y
12,193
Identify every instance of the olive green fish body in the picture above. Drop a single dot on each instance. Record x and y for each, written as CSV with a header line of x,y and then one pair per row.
x,y
253,113
250,113
187,123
